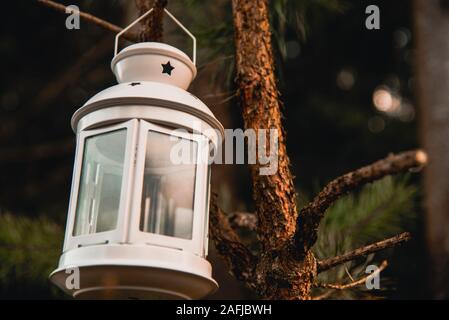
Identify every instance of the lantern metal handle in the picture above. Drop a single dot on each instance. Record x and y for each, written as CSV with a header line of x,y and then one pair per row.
x,y
172,17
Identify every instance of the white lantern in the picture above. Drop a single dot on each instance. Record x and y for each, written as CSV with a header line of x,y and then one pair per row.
x,y
138,221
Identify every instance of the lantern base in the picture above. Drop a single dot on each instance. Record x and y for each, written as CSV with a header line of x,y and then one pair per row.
x,y
133,272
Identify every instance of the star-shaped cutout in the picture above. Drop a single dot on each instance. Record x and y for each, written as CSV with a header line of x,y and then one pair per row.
x,y
167,68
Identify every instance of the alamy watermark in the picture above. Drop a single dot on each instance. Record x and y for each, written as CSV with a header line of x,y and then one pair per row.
x,y
373,280
372,22
254,147
72,281
73,20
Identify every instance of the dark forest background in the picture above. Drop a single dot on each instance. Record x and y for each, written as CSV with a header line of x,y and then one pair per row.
x,y
330,69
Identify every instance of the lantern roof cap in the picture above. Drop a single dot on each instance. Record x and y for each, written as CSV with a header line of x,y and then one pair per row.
x,y
154,61
142,48
142,61
148,93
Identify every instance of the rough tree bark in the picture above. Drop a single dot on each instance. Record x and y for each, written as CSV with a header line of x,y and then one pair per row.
x,y
432,63
151,28
274,195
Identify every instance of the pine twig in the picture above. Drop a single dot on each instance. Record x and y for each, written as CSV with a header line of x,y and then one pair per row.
x,y
90,18
240,260
375,247
310,216
354,283
324,296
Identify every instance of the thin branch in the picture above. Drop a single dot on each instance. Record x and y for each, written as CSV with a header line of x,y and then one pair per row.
x,y
310,216
240,260
324,296
349,274
216,95
90,18
375,247
354,283
225,100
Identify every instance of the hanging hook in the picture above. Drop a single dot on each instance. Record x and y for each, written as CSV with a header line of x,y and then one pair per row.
x,y
117,37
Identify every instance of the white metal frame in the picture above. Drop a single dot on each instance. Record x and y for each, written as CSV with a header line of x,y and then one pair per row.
x,y
135,235
117,235
207,203
129,213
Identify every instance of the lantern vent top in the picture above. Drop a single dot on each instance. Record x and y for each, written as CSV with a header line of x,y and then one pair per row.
x,y
154,61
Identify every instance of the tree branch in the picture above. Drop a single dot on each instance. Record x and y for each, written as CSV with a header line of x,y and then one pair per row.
x,y
152,27
91,18
274,194
310,216
375,247
353,284
323,296
240,260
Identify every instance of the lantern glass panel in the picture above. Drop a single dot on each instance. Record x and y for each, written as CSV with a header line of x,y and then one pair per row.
x,y
168,185
100,183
